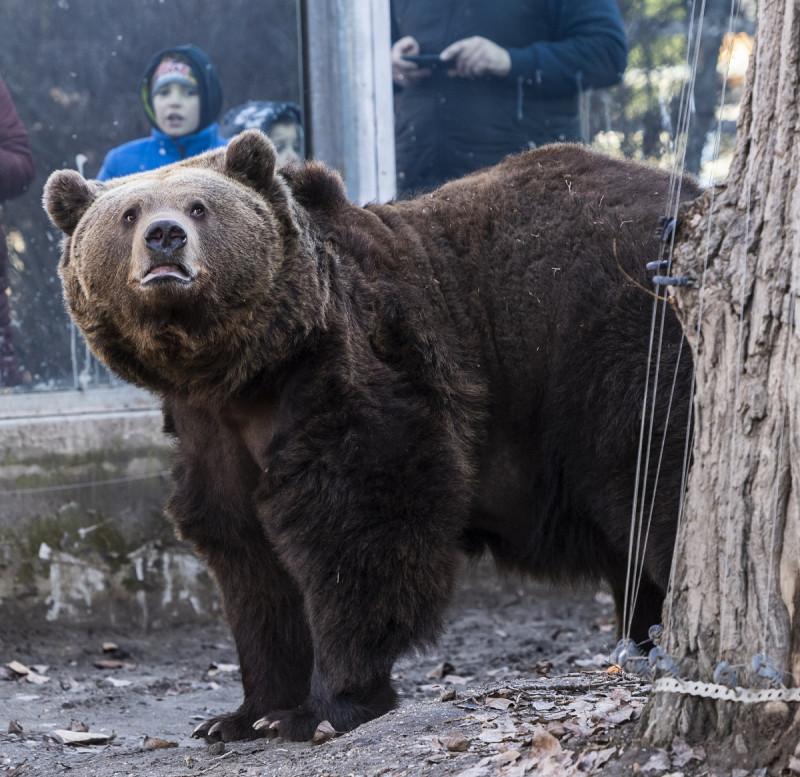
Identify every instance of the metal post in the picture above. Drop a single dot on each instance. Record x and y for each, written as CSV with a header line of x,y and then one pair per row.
x,y
348,93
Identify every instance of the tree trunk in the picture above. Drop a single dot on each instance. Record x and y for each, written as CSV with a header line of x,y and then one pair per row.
x,y
736,589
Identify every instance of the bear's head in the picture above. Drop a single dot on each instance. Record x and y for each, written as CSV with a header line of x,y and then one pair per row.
x,y
190,279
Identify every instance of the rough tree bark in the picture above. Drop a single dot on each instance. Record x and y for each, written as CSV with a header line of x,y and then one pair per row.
x,y
737,574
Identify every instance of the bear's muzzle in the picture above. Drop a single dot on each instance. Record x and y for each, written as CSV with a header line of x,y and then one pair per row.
x,y
164,239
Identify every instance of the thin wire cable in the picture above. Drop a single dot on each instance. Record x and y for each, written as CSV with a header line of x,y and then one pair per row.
x,y
683,111
635,568
641,542
83,484
627,612
687,448
661,454
733,15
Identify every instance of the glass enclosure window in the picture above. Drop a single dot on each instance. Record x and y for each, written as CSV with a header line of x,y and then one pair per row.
x,y
73,70
677,100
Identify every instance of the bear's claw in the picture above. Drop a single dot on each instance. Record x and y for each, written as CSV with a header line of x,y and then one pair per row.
x,y
233,727
265,722
296,725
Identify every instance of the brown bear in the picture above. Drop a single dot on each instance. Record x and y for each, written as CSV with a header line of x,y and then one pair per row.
x,y
362,397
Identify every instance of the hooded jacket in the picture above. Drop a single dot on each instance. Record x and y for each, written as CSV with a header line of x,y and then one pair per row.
x,y
258,114
446,127
160,149
16,173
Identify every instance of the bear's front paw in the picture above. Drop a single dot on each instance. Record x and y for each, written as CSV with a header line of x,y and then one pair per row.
x,y
296,725
340,713
232,727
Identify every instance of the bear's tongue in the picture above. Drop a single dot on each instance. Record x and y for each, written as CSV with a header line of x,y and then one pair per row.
x,y
165,271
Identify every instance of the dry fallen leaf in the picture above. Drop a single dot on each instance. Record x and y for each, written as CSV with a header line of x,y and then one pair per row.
x,y
682,753
518,769
436,758
156,743
36,678
623,714
498,703
217,668
440,671
479,770
594,759
116,683
543,667
456,742
66,737
551,767
508,757
603,756
25,673
503,730
658,762
456,679
556,728
544,744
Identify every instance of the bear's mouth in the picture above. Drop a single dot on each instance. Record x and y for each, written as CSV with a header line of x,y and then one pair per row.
x,y
168,272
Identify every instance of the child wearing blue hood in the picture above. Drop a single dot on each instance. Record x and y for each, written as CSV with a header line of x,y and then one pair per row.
x,y
182,95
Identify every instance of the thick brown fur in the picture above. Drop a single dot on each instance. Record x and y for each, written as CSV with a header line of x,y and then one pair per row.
x,y
362,396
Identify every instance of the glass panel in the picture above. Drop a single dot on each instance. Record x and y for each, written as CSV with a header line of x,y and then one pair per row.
x,y
73,70
684,61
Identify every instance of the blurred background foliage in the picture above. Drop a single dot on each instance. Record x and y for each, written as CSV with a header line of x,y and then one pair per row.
x,y
73,68
673,43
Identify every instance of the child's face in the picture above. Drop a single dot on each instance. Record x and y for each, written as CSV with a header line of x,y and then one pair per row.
x,y
177,109
286,139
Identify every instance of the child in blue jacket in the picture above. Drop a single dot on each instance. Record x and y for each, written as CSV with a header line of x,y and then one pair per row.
x,y
182,95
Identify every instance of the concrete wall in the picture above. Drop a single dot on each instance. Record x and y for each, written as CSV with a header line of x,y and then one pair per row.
x,y
83,480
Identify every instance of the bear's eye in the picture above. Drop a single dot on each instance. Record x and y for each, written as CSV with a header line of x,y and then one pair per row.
x,y
197,211
130,216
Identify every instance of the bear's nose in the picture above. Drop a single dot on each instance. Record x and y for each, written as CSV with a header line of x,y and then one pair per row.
x,y
165,236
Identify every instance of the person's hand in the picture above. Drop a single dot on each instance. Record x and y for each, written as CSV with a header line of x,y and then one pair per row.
x,y
405,73
475,57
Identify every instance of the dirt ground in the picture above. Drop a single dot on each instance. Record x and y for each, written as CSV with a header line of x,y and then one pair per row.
x,y
517,686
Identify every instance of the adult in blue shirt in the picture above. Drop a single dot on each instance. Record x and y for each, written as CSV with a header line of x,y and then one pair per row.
x,y
506,76
182,95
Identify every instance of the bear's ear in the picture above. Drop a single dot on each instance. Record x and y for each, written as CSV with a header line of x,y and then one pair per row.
x,y
67,195
250,159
